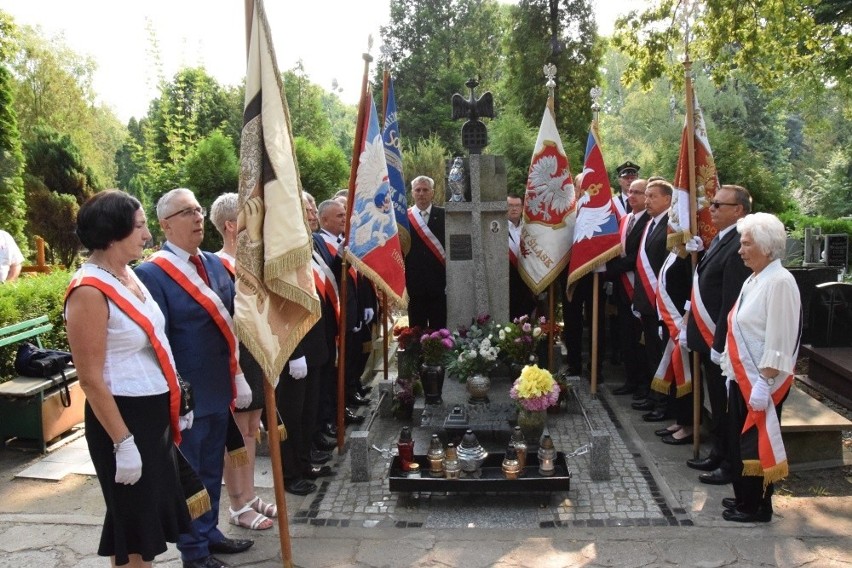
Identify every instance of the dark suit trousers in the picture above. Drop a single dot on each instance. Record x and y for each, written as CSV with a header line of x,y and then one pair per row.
x,y
428,311
653,348
636,371
204,448
290,395
575,313
718,395
327,381
748,489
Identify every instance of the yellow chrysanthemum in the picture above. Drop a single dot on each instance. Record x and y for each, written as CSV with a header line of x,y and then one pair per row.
x,y
534,382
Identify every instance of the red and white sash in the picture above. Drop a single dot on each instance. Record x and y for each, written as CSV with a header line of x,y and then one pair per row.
x,y
227,262
325,282
185,276
647,277
332,245
133,307
761,445
700,315
426,235
674,364
514,250
628,278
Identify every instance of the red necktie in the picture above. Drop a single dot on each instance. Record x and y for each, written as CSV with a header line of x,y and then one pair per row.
x,y
199,267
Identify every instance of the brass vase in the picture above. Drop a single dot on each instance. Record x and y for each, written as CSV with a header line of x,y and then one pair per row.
x,y
478,386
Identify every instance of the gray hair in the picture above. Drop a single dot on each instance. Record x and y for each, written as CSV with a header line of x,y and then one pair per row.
x,y
309,197
224,209
163,209
326,204
342,193
767,232
427,179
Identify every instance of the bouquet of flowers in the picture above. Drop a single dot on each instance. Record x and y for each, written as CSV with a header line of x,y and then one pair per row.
x,y
535,389
476,349
405,390
519,339
435,346
407,336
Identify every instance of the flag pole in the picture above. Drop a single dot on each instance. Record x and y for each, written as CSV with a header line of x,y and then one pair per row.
x,y
595,287
353,174
385,304
273,434
693,229
551,315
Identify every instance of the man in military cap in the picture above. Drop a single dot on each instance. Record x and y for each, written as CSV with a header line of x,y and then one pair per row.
x,y
627,173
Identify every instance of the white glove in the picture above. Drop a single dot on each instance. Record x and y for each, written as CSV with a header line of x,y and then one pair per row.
x,y
369,314
681,338
759,399
185,421
299,368
357,328
715,356
660,331
635,312
243,391
695,244
128,462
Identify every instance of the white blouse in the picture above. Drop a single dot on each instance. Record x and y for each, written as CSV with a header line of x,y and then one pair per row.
x,y
769,313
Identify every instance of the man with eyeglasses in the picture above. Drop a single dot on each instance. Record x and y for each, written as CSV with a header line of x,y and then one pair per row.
x,y
622,271
717,281
196,296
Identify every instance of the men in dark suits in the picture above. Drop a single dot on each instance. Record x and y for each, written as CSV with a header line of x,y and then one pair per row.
x,y
718,279
195,293
652,254
521,299
622,270
425,263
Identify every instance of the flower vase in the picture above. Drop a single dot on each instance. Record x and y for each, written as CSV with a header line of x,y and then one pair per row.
x,y
532,424
407,361
404,411
477,387
432,378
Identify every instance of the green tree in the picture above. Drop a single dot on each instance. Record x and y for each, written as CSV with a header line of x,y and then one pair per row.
x,y
426,158
514,139
770,41
342,119
12,205
305,102
573,47
322,169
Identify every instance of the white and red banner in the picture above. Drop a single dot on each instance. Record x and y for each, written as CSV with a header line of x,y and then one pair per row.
x,y
549,210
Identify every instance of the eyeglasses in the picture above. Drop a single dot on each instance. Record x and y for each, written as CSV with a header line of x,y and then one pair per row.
x,y
717,204
188,212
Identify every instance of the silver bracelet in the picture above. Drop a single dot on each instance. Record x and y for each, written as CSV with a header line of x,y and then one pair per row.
x,y
123,439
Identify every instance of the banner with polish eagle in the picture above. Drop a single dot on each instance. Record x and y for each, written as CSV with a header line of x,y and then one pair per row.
x,y
373,242
706,183
549,209
393,157
596,235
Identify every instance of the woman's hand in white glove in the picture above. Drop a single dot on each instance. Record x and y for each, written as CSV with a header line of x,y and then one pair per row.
x,y
243,391
128,462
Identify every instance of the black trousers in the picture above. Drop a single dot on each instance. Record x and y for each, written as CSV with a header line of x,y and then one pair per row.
x,y
719,420
291,395
428,311
653,347
748,489
575,313
636,370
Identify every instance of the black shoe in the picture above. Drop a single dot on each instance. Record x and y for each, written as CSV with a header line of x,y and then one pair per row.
x,y
349,417
329,429
299,487
672,441
760,516
323,444
624,389
644,405
716,477
208,562
663,432
317,471
320,457
365,391
357,400
729,503
707,464
655,416
230,545
640,395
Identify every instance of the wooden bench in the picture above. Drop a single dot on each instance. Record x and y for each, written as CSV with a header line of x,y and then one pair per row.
x,y
812,431
32,410
830,372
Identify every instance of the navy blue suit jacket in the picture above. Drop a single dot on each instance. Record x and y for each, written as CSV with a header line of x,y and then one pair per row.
x,y
200,351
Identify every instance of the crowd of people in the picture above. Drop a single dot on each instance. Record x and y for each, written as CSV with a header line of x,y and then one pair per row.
x,y
143,338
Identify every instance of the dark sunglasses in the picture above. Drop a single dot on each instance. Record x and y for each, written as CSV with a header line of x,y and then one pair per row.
x,y
717,204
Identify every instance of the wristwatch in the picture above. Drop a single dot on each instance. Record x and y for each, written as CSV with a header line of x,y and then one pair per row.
x,y
769,380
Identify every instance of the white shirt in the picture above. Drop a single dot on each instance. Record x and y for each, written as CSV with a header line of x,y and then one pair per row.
x,y
10,254
768,315
514,231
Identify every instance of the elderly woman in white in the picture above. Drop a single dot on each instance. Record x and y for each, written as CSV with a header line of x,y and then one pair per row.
x,y
760,355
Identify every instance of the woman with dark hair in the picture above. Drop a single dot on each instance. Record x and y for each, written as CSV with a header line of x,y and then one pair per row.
x,y
764,329
125,367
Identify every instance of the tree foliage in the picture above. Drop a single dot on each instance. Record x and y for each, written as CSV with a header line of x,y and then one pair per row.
x,y
323,169
572,46
305,101
514,139
12,204
771,41
428,157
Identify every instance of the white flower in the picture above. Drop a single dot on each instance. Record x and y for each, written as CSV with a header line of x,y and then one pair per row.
x,y
536,332
502,335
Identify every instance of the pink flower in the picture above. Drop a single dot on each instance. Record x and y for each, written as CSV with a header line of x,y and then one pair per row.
x,y
447,342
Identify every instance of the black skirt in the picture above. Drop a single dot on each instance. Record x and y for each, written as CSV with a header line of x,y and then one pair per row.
x,y
140,518
254,377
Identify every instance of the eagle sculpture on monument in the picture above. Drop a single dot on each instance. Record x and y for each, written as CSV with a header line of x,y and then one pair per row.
x,y
474,133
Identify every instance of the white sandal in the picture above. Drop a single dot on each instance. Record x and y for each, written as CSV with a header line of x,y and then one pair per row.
x,y
268,509
259,519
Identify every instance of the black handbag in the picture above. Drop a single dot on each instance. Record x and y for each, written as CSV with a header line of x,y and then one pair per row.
x,y
33,361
